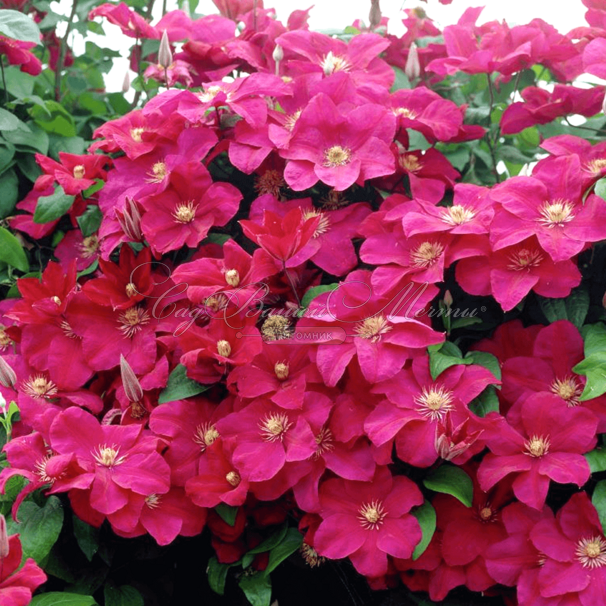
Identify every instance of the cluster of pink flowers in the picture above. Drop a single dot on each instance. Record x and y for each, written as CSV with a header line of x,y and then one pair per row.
x,y
225,207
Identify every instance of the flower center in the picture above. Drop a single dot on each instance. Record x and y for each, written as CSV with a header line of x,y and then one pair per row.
x,y
334,63
233,477
133,320
457,215
405,112
486,513
271,181
107,456
537,446
281,369
568,389
410,163
41,471
232,277
158,173
371,515
596,166
524,259
311,556
323,225
334,200
38,386
275,328
336,156
131,290
223,348
89,246
184,212
274,427
434,402
209,94
323,442
79,171
372,328
5,340
205,435
426,254
591,552
135,134
556,214
291,120
152,501
68,331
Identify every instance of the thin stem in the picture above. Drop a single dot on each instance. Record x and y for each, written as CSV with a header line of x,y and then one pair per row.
x,y
63,52
495,172
292,284
4,80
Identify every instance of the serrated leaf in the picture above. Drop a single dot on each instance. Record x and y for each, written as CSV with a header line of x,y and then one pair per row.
x,y
18,26
426,516
39,527
227,513
11,251
256,588
57,598
452,480
50,208
180,386
290,543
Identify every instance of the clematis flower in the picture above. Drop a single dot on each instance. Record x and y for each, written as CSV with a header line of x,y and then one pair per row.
x,y
127,19
118,461
74,173
548,445
17,582
19,53
367,521
338,148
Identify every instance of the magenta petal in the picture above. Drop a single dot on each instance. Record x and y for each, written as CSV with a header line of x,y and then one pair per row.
x,y
398,537
337,536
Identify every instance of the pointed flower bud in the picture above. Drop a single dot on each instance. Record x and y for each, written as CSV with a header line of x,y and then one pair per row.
x,y
448,300
278,53
375,14
604,105
4,545
126,83
165,56
130,221
412,69
452,442
132,387
8,378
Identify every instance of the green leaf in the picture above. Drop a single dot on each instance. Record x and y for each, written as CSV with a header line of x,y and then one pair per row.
x,y
9,121
18,83
596,459
28,166
594,336
87,537
599,502
39,527
52,207
57,598
573,308
11,251
35,139
486,402
594,368
71,145
487,360
268,544
7,153
217,575
426,516
256,588
451,480
54,118
90,220
9,192
401,81
18,26
443,356
227,513
180,386
290,543
600,189
316,291
125,595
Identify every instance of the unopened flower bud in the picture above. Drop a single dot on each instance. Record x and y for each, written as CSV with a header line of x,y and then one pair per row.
x,y
278,53
448,300
412,68
165,56
132,387
4,545
375,14
604,105
8,378
130,221
525,171
126,83
3,408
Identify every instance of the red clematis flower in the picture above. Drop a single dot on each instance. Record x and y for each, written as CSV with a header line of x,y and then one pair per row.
x,y
17,582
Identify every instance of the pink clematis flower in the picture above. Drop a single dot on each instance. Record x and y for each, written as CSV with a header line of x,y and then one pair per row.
x,y
17,582
548,445
367,521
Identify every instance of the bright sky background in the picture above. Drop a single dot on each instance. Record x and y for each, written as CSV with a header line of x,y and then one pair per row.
x,y
331,14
